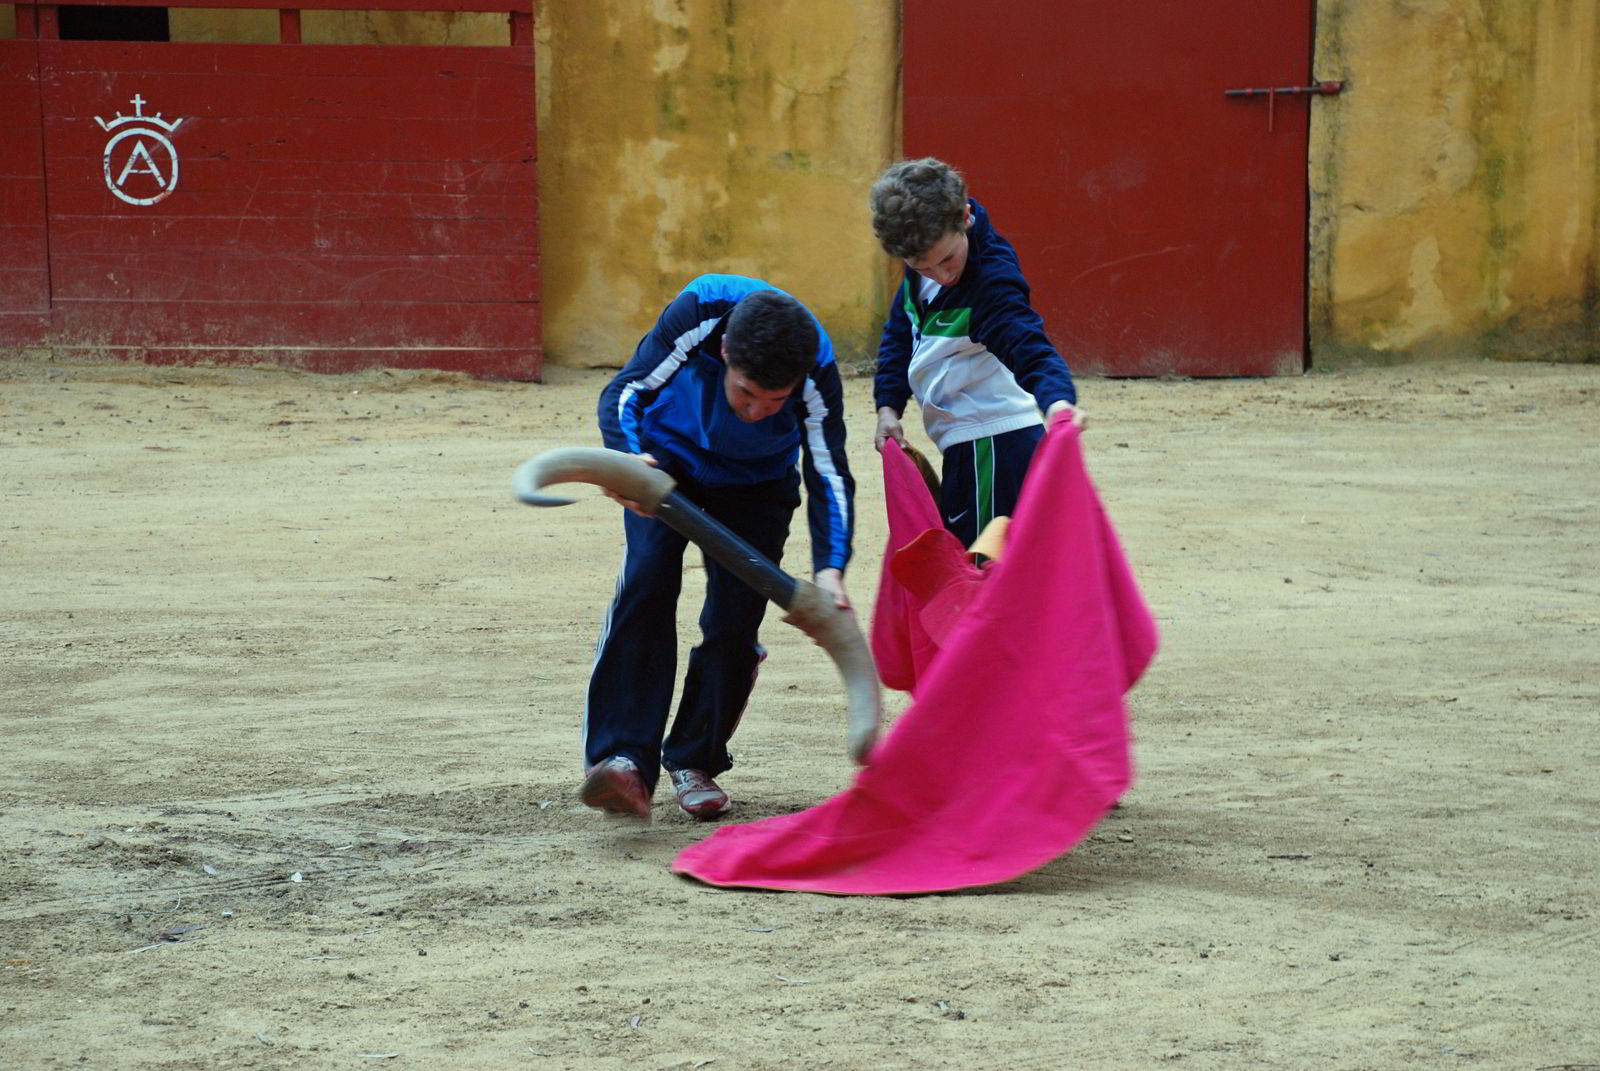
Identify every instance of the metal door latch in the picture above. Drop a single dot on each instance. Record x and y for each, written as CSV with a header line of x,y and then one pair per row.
x,y
1321,89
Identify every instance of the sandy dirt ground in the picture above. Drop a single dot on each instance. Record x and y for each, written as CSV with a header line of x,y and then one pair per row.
x,y
292,689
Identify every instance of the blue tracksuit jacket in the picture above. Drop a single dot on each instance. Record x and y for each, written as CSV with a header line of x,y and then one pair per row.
x,y
669,402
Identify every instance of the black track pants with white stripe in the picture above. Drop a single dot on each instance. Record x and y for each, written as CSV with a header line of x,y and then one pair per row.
x,y
982,479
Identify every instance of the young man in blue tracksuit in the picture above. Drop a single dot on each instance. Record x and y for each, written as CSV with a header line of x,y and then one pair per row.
x,y
963,338
734,384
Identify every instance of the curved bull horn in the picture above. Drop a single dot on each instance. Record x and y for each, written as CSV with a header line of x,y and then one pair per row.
x,y
612,469
809,608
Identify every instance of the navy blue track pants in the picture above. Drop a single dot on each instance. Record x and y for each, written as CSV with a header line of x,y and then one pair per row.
x,y
982,479
636,663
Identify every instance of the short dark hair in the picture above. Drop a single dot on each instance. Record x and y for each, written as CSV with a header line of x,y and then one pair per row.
x,y
771,338
915,203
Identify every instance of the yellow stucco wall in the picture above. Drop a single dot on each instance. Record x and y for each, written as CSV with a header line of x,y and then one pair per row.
x,y
245,27
1455,184
687,136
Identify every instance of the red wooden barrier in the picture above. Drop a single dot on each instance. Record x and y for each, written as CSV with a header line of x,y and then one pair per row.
x,y
330,207
24,282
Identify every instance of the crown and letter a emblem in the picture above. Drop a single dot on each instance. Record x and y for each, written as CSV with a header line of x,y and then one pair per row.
x,y
141,163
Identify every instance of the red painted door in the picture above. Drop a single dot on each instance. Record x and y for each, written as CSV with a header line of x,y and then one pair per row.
x,y
24,272
1161,224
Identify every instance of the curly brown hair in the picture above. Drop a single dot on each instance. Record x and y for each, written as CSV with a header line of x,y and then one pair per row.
x,y
915,203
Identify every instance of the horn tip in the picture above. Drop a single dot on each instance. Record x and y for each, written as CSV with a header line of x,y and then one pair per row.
x,y
861,746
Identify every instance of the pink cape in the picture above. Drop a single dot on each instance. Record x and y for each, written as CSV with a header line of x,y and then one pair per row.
x,y
1017,742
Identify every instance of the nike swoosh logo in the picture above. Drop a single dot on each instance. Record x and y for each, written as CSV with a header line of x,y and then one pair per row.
x,y
957,517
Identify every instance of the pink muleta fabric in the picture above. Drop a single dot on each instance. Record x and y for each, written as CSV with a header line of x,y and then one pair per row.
x,y
901,647
1017,742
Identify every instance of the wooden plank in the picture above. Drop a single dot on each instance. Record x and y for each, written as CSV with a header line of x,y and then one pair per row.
x,y
22,239
23,328
22,253
245,200
330,325
508,6
175,276
80,188
24,266
450,191
23,287
331,199
462,141
231,92
519,363
19,152
332,62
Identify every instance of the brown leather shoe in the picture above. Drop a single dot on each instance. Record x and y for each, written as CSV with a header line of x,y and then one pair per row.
x,y
698,795
616,786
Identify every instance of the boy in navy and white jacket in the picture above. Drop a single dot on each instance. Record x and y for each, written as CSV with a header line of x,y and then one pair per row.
x,y
733,386
963,338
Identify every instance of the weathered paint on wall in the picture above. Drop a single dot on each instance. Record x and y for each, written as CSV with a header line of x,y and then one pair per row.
x,y
8,21
404,28
1455,184
341,27
248,27
687,136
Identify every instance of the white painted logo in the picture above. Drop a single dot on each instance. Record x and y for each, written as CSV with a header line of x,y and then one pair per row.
x,y
128,155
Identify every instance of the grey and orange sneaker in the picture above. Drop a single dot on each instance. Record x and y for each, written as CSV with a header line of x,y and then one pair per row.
x,y
698,795
616,786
